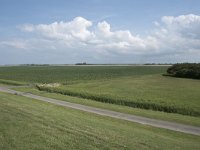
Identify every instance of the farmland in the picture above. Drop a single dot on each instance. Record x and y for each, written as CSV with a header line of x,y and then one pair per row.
x,y
141,92
71,74
173,117
31,124
133,86
137,90
99,75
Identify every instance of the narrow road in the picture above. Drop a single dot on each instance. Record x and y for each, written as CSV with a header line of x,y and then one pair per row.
x,y
133,118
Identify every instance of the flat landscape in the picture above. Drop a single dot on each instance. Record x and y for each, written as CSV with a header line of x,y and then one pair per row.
x,y
134,86
71,74
137,90
99,74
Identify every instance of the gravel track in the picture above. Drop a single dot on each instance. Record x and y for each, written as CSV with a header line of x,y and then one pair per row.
x,y
133,118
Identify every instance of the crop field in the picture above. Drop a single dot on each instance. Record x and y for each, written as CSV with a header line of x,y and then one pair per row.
x,y
139,90
99,75
30,124
149,92
69,74
134,86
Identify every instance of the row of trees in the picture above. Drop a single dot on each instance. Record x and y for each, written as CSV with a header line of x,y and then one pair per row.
x,y
185,70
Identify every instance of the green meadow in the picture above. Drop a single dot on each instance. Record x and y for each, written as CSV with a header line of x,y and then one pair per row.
x,y
139,90
30,124
142,87
173,117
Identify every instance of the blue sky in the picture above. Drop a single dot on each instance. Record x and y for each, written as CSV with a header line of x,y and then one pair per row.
x,y
99,31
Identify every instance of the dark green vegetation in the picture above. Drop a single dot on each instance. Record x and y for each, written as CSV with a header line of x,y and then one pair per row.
x,y
134,86
185,70
69,74
31,124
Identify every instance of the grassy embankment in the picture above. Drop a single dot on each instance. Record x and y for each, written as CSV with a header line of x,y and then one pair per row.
x,y
174,117
31,124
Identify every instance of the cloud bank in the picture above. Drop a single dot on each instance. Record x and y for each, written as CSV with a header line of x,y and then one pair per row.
x,y
173,39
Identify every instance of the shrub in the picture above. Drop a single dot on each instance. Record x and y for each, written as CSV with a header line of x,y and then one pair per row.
x,y
185,70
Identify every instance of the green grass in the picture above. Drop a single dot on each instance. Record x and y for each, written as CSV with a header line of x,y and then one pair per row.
x,y
190,120
31,124
155,92
71,74
11,82
134,86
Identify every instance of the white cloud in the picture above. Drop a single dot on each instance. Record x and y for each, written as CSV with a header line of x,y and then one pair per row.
x,y
185,25
179,34
26,27
121,41
77,29
76,33
18,44
156,23
183,20
171,36
104,29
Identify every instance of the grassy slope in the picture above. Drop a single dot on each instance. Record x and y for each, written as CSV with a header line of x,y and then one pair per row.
x,y
165,93
31,124
135,111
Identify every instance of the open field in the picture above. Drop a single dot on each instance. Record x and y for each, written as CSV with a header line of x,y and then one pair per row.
x,y
31,124
134,86
99,75
103,112
172,117
11,82
154,92
71,74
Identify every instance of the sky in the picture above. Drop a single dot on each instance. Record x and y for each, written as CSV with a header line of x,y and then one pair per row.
x,y
99,31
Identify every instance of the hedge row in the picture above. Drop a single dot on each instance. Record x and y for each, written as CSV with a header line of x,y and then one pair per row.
x,y
135,104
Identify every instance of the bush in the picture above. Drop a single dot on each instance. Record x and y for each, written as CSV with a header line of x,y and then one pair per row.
x,y
185,70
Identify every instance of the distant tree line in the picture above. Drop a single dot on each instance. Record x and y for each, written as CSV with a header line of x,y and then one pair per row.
x,y
158,64
35,65
185,70
83,63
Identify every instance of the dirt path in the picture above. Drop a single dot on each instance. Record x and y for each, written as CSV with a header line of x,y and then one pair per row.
x,y
133,118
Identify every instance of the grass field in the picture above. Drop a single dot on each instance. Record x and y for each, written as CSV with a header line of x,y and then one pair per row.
x,y
173,117
154,92
134,86
71,74
31,124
